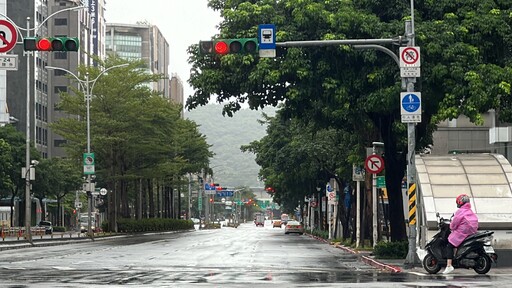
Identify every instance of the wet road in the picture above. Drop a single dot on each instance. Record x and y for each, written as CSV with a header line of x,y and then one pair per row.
x,y
247,256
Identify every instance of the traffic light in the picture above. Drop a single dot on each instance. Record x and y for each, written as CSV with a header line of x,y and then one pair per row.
x,y
211,200
229,46
56,44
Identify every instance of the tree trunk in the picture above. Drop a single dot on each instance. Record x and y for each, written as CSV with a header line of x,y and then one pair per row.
x,y
151,200
394,181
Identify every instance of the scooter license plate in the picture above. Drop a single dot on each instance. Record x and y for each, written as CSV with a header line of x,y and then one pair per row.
x,y
489,249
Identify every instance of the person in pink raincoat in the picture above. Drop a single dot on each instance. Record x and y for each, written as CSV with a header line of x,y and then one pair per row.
x,y
464,223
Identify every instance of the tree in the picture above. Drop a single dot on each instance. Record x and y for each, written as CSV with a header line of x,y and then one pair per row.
x,y
465,70
17,143
139,139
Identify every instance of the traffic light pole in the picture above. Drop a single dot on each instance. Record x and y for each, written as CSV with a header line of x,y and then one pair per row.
x,y
28,54
28,198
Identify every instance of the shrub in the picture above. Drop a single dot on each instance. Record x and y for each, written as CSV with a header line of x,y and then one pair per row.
x,y
59,229
391,250
320,233
152,225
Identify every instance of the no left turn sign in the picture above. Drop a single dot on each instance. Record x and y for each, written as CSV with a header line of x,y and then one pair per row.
x,y
409,56
374,164
8,36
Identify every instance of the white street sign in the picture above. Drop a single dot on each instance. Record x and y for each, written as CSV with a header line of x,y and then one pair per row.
x,y
8,62
411,118
410,57
268,53
410,72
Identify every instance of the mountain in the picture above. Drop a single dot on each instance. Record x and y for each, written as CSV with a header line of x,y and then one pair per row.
x,y
231,167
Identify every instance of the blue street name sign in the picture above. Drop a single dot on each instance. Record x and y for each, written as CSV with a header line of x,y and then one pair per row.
x,y
225,193
208,187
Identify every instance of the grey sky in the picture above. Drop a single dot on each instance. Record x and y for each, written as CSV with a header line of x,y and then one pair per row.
x,y
182,22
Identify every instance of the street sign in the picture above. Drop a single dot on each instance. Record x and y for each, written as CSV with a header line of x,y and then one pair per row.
x,y
209,187
267,40
381,181
88,163
410,103
357,173
410,72
410,57
8,62
331,197
374,164
8,36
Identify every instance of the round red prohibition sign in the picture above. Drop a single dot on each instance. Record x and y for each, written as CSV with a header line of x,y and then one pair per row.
x,y
8,36
410,55
374,164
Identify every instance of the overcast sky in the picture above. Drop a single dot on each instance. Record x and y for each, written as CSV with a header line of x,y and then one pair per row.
x,y
182,22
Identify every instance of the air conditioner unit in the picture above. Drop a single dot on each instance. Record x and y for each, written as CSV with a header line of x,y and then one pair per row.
x,y
500,134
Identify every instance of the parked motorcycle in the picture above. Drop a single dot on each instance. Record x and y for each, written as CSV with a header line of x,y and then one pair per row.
x,y
475,252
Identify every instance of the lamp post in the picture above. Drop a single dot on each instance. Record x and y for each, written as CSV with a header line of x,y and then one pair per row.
x,y
28,214
87,85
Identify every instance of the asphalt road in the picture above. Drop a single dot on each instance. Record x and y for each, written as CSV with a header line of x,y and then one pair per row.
x,y
247,256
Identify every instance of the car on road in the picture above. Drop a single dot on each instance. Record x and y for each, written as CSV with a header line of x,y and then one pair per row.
x,y
293,226
47,225
276,223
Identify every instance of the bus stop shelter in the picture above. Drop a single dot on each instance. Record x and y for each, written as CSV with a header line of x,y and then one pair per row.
x,y
486,178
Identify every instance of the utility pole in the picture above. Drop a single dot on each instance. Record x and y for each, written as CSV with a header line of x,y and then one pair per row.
x,y
411,258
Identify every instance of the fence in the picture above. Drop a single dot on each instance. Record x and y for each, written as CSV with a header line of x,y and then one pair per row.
x,y
20,231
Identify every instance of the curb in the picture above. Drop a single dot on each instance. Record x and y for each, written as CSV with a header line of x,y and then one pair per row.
x,y
366,259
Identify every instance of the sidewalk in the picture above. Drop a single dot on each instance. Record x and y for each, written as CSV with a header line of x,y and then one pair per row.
x,y
57,238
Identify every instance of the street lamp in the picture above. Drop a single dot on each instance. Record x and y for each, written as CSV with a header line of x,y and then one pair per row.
x,y
87,85
28,205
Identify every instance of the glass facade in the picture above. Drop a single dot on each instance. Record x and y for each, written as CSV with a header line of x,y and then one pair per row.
x,y
127,46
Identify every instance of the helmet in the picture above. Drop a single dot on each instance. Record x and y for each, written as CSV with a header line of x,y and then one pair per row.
x,y
461,200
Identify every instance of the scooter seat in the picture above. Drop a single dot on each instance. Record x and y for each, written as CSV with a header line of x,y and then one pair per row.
x,y
478,234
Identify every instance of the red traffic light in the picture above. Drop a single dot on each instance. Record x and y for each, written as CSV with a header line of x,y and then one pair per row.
x,y
211,200
221,47
44,44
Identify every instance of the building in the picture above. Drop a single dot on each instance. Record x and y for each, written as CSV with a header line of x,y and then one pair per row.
x,y
141,41
461,136
43,86
176,90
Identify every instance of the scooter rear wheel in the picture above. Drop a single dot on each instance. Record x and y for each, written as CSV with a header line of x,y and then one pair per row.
x,y
431,264
483,264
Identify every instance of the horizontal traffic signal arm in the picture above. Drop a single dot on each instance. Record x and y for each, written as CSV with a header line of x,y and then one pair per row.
x,y
51,44
229,46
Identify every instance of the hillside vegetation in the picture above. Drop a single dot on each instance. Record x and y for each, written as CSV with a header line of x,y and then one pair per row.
x,y
231,166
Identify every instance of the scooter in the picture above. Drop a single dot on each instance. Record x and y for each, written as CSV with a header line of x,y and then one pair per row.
x,y
475,252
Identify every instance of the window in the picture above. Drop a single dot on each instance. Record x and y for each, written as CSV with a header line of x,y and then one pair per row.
x,y
61,21
59,143
58,89
59,73
60,55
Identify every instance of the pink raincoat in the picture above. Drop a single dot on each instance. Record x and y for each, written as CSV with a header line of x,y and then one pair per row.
x,y
463,224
